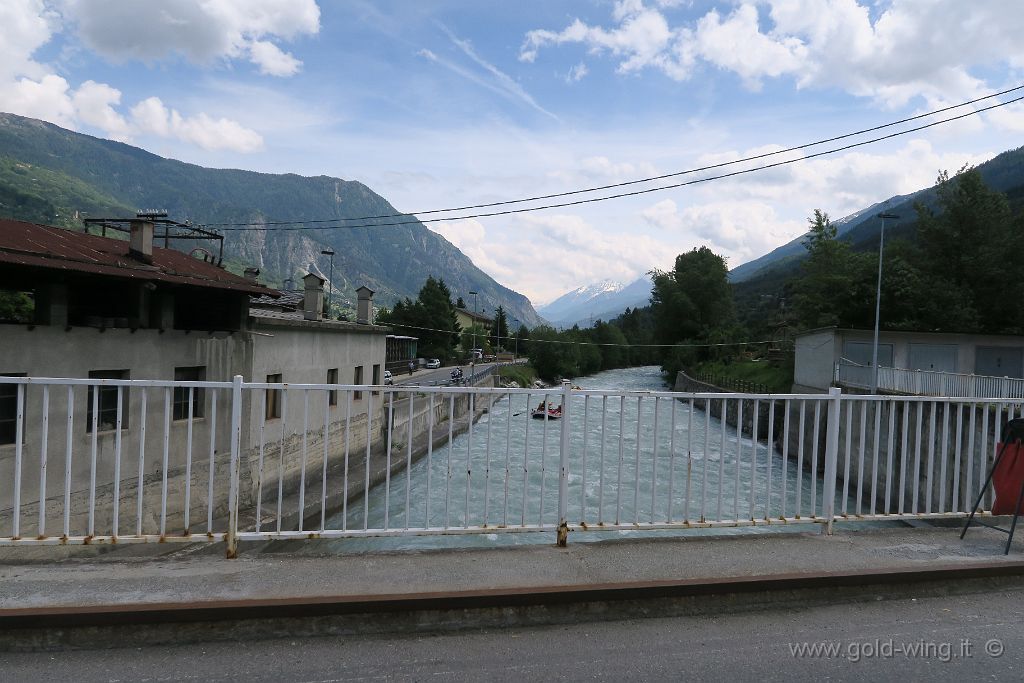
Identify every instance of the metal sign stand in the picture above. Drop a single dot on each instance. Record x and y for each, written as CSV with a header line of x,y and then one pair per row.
x,y
1013,433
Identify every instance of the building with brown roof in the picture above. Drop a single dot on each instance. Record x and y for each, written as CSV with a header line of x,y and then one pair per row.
x,y
106,308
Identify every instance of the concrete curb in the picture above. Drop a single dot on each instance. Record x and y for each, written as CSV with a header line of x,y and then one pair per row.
x,y
132,625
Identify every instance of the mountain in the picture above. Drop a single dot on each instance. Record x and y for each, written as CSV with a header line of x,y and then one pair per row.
x,y
795,249
570,301
760,286
602,300
48,173
1004,173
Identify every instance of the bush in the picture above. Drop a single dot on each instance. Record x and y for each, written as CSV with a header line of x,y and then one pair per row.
x,y
776,378
523,375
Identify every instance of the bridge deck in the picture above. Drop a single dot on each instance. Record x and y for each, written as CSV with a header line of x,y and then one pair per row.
x,y
131,576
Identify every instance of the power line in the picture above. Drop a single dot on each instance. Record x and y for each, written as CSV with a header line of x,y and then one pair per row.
x,y
639,180
532,340
308,225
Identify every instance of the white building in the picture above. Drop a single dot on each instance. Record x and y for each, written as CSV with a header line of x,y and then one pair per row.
x,y
820,352
122,309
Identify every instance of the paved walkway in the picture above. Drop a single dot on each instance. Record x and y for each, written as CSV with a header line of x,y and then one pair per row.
x,y
84,577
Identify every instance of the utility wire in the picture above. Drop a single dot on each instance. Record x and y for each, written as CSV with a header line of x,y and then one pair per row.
x,y
632,182
307,225
531,340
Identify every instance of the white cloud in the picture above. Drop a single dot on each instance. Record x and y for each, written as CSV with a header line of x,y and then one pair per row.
x,y
547,254
738,230
576,73
839,184
151,117
200,30
599,170
272,60
737,44
93,104
25,26
46,98
30,88
642,39
932,49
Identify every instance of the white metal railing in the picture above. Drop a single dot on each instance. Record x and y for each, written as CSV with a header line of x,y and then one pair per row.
x,y
929,382
230,461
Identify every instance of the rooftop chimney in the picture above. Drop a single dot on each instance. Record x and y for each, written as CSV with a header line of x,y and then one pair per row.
x,y
313,304
364,307
140,242
251,274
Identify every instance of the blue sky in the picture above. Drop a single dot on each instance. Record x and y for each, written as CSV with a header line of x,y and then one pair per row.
x,y
444,103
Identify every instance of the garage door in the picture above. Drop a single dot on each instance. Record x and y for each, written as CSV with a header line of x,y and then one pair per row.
x,y
934,357
998,361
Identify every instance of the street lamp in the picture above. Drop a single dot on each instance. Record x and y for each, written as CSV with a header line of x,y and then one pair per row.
x,y
515,354
476,300
878,301
330,292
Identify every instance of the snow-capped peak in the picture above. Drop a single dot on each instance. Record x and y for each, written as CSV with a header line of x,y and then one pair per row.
x,y
603,287
579,297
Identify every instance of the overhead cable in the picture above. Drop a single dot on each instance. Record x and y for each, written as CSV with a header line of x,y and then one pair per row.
x,y
532,340
303,224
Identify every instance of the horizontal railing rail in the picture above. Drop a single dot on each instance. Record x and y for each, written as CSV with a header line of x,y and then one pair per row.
x,y
133,461
929,382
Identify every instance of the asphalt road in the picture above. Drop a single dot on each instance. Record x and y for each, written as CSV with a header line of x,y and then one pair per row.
x,y
439,376
952,638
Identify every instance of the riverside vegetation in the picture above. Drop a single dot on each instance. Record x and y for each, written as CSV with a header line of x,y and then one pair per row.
x,y
951,269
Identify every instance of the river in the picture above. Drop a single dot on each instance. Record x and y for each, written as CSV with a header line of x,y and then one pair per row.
x,y
610,480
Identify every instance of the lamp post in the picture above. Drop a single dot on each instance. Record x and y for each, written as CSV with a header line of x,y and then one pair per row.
x,y
878,301
476,300
515,354
330,292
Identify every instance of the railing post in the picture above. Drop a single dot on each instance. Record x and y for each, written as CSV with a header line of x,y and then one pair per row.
x,y
233,474
563,467
831,456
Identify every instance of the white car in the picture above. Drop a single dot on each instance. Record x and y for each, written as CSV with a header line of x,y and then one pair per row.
x,y
387,377
433,364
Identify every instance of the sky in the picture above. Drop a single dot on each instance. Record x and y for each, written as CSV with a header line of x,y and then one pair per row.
x,y
445,103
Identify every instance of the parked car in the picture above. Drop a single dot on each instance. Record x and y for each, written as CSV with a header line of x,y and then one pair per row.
x,y
387,377
433,364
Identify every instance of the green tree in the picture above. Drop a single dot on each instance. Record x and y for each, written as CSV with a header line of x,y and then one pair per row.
x,y
692,298
522,342
967,249
690,302
499,329
549,356
585,353
431,318
16,307
826,275
611,344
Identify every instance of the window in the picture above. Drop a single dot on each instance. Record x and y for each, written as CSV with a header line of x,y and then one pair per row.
x,y
376,376
181,393
274,397
106,402
357,378
332,395
9,410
